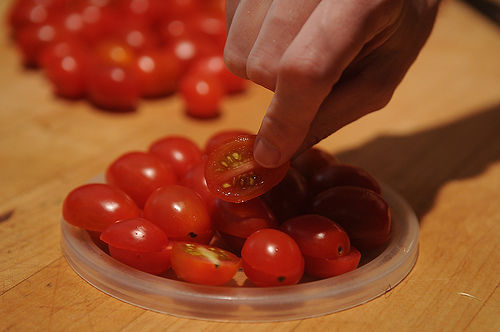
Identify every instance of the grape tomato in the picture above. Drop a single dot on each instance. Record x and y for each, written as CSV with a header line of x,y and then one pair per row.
x,y
321,267
154,262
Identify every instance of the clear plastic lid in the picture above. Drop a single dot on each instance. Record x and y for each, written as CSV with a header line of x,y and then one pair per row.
x,y
238,302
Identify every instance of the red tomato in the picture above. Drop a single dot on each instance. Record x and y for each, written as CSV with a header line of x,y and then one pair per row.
x,y
342,175
158,73
178,152
223,137
96,206
32,39
288,198
272,258
115,52
181,213
364,214
318,236
209,27
139,174
233,175
155,262
195,179
330,267
136,234
202,95
202,264
189,48
214,65
312,160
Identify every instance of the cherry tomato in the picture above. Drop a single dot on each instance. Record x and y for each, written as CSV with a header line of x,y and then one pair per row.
x,y
312,160
289,197
209,27
96,206
158,73
178,152
189,48
181,213
32,39
235,222
272,258
223,137
201,264
136,234
29,12
202,95
154,262
342,175
115,52
195,179
233,175
214,66
364,214
318,236
330,267
139,174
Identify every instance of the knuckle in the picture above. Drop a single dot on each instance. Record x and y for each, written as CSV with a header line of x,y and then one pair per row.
x,y
260,69
304,69
235,62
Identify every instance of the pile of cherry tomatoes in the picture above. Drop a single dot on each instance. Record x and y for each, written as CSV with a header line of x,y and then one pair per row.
x,y
208,213
114,52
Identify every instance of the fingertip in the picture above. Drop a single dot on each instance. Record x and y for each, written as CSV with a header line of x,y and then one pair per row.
x,y
266,154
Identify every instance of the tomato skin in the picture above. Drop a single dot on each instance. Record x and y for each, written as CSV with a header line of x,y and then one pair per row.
x,y
155,262
272,258
214,66
222,137
233,175
181,213
342,175
364,214
318,236
201,264
195,179
139,174
180,153
330,267
136,234
313,160
202,95
96,206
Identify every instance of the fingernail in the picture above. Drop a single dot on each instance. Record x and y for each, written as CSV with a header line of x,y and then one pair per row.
x,y
266,154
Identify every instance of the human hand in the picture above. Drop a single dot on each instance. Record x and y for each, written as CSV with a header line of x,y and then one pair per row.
x,y
328,62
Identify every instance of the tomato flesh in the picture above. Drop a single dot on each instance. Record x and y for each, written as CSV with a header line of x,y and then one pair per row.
x,y
233,175
201,264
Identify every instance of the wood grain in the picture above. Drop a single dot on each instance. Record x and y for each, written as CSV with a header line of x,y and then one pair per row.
x,y
437,143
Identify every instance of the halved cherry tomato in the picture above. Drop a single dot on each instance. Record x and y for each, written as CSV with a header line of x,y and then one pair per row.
x,y
330,267
137,234
155,262
272,258
312,160
95,206
318,236
139,174
233,175
203,264
181,213
364,214
342,175
223,137
178,152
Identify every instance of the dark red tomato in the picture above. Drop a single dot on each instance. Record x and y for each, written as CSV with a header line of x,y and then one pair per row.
x,y
112,87
202,95
312,160
64,64
181,213
272,258
364,214
195,179
178,152
215,66
342,175
29,12
158,73
318,236
209,27
32,39
223,137
136,234
175,8
201,264
233,175
96,206
139,174
288,198
330,267
155,262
